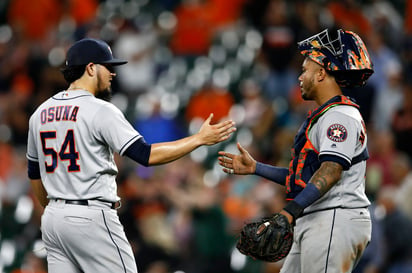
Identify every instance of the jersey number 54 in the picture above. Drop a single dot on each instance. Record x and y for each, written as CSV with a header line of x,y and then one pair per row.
x,y
67,151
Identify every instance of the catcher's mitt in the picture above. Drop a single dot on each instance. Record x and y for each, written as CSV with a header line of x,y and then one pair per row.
x,y
273,242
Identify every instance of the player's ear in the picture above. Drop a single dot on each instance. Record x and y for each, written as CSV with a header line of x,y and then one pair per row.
x,y
321,74
90,69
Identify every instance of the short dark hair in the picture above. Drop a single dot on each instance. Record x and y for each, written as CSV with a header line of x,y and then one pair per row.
x,y
72,73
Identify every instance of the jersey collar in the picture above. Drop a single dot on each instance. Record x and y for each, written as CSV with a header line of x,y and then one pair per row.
x,y
71,94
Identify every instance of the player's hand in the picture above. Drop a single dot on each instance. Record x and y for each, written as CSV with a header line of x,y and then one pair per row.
x,y
242,163
212,134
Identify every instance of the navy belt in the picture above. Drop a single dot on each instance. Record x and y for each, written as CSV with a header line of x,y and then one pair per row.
x,y
86,202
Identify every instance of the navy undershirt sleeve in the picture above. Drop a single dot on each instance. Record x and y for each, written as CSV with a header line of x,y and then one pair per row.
x,y
139,151
272,173
304,199
33,169
308,195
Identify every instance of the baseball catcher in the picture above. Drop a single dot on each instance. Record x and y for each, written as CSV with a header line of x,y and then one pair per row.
x,y
325,180
269,239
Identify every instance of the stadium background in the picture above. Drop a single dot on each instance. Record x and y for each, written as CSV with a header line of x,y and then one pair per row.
x,y
188,58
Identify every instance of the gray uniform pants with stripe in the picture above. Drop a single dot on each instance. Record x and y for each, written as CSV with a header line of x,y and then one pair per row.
x,y
85,239
329,241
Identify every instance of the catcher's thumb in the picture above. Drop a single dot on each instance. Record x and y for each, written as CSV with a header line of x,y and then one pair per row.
x,y
240,148
262,228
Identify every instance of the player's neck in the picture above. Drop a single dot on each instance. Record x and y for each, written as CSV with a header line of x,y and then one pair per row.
x,y
327,91
78,85
75,88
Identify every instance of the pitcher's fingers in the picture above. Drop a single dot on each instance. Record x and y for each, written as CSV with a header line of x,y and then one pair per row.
x,y
225,131
223,137
225,124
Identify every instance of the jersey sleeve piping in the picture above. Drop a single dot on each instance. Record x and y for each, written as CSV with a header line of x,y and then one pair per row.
x,y
342,160
127,144
334,153
32,158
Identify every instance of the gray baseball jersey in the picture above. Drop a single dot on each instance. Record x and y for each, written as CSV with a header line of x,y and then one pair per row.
x,y
73,136
341,132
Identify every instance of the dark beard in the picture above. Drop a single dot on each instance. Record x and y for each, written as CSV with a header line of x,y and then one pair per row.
x,y
105,94
305,97
309,91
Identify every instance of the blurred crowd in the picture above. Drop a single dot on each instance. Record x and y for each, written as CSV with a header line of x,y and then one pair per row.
x,y
188,58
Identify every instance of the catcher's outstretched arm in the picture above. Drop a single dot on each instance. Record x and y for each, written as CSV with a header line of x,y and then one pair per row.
x,y
244,163
272,173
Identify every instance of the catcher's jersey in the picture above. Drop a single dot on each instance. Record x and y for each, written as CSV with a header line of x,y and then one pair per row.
x,y
341,132
73,136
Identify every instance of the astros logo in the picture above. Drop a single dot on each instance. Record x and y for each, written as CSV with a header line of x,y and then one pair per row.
x,y
337,132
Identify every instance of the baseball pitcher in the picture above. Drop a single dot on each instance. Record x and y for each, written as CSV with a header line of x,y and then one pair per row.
x,y
71,144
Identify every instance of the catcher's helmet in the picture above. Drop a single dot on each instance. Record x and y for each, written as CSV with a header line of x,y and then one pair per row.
x,y
344,56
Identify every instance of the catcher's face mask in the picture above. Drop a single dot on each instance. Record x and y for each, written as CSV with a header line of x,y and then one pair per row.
x,y
344,56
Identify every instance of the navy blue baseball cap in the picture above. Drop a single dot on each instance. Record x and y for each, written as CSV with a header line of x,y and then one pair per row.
x,y
90,50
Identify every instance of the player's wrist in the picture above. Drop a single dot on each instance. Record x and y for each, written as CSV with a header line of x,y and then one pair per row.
x,y
294,209
253,167
198,139
260,168
304,199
